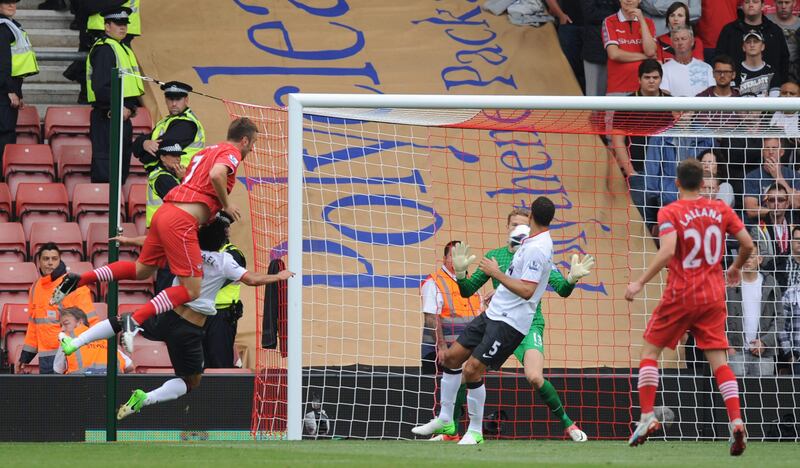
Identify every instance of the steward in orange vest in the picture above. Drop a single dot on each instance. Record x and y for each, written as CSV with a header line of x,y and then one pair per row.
x,y
91,359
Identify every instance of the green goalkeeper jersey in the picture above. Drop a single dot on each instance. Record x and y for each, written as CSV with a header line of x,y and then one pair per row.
x,y
469,286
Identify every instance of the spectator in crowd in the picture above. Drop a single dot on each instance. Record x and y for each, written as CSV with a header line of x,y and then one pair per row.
x,y
711,190
594,53
785,18
685,75
91,359
732,36
756,76
43,325
724,71
772,171
445,314
15,64
789,336
719,13
629,152
629,38
221,328
107,53
180,126
570,34
787,121
715,174
660,11
754,317
677,15
773,232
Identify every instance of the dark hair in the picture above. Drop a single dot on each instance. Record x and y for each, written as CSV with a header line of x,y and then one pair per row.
x,y
79,315
724,59
795,227
48,246
649,66
775,186
690,174
449,246
240,128
518,212
542,211
672,8
211,237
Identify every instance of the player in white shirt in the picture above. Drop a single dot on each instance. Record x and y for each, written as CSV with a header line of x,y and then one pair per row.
x,y
181,329
494,335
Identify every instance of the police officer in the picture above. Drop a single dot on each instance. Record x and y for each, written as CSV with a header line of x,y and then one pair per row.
x,y
221,328
107,53
17,61
180,126
163,174
95,22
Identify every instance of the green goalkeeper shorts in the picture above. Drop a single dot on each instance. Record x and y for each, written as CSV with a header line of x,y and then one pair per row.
x,y
533,340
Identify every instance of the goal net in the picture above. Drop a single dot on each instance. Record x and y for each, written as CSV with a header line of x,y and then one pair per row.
x,y
386,182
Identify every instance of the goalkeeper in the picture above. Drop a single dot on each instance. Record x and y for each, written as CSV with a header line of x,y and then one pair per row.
x,y
531,351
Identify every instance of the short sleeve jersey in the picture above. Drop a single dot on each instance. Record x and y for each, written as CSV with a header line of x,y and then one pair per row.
x,y
218,269
695,272
531,263
627,35
196,186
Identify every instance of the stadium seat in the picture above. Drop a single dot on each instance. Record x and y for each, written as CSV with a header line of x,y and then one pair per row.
x,y
29,125
67,236
133,179
67,120
90,205
12,243
73,158
14,346
15,318
150,355
41,203
142,123
60,144
27,163
15,281
137,169
123,309
137,206
101,310
6,214
97,244
135,291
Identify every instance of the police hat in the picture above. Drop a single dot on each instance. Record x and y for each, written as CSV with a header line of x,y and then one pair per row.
x,y
118,15
176,89
169,149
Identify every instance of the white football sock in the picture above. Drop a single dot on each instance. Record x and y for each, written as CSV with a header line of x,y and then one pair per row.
x,y
99,331
171,390
476,397
447,395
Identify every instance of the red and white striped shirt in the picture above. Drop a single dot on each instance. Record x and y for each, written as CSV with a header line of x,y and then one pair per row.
x,y
196,186
695,275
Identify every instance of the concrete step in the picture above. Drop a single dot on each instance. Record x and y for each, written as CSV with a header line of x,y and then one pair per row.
x,y
44,19
49,74
53,38
31,5
65,51
50,93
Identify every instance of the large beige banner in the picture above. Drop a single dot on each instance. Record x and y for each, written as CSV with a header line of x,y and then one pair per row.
x,y
259,51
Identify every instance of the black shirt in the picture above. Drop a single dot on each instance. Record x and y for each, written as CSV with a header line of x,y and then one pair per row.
x,y
180,131
103,60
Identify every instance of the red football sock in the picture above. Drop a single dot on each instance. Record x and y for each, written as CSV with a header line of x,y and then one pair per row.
x,y
166,300
726,381
648,384
112,272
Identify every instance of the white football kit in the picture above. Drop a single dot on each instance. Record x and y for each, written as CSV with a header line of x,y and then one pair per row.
x,y
218,268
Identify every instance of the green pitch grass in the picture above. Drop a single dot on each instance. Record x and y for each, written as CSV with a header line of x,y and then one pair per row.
x,y
388,453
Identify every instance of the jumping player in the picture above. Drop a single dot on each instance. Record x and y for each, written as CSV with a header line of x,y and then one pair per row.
x,y
182,328
531,351
172,238
494,335
692,232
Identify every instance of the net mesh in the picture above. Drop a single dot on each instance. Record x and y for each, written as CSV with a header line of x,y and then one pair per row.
x,y
386,189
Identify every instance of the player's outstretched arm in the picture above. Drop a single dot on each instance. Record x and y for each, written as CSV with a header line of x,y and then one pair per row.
x,y
734,274
577,270
137,241
663,256
469,286
252,278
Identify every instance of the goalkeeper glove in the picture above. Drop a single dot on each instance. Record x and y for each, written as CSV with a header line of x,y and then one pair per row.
x,y
461,260
579,269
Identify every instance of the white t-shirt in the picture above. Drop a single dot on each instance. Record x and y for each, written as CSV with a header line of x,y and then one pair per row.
x,y
218,267
751,309
531,263
687,80
788,122
432,300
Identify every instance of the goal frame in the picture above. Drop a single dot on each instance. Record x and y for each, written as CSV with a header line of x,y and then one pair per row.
x,y
299,103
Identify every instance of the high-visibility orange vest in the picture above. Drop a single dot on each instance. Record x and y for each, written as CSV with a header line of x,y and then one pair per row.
x,y
43,321
456,312
92,357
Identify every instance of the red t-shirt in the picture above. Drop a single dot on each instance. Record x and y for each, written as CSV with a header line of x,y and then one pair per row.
x,y
196,185
623,77
695,276
710,25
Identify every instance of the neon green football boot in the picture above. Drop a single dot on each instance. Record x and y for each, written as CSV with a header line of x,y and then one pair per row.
x,y
134,404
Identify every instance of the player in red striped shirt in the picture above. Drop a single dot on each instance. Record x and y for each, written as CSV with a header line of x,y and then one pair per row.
x,y
692,232
172,238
